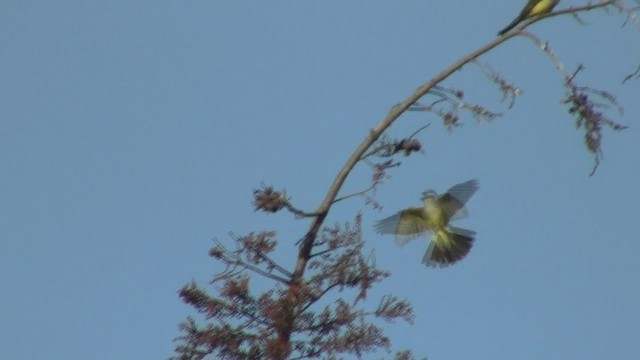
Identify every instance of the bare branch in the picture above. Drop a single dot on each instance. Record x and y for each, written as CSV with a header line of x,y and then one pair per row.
x,y
299,213
571,11
630,76
356,193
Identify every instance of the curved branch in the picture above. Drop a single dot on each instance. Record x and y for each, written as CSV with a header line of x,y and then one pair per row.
x,y
572,10
393,115
374,134
304,252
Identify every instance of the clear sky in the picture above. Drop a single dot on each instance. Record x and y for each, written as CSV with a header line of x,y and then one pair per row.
x,y
133,132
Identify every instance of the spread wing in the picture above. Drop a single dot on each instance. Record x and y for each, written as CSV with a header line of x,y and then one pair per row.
x,y
454,199
406,225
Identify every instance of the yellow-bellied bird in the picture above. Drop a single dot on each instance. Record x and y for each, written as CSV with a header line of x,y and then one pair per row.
x,y
533,8
448,244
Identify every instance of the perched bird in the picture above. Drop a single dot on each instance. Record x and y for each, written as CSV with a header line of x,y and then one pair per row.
x,y
448,244
533,8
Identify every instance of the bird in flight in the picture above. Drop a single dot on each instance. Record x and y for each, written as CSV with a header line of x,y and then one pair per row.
x,y
448,244
533,8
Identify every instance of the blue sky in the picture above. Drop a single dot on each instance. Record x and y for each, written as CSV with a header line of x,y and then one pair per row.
x,y
132,134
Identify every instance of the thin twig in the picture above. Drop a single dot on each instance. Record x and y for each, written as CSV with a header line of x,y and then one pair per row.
x,y
355,194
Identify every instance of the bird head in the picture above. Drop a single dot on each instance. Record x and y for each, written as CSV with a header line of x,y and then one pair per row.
x,y
429,194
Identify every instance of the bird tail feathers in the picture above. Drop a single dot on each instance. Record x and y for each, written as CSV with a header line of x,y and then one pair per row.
x,y
448,247
510,26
